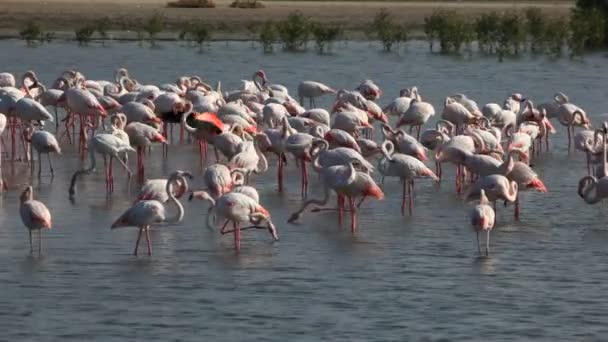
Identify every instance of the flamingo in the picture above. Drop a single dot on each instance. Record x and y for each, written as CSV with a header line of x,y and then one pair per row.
x,y
154,189
7,80
526,179
312,89
337,156
107,145
417,115
250,159
44,142
300,145
237,207
142,136
273,140
482,219
144,214
552,108
2,128
571,115
400,105
206,126
319,115
345,180
407,168
219,179
83,103
339,138
34,215
369,90
496,187
591,189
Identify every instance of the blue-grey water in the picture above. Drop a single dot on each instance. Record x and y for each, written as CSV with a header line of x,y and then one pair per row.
x,y
397,279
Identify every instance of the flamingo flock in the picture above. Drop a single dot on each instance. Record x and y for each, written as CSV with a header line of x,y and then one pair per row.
x,y
349,147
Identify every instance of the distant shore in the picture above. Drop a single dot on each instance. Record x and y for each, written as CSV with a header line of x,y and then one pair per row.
x,y
63,16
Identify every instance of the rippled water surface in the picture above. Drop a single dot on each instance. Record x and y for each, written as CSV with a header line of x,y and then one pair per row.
x,y
398,278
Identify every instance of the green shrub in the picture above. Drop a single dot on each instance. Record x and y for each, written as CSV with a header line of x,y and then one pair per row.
x,y
511,36
555,36
198,32
586,30
487,27
324,35
432,27
153,26
192,4
102,26
247,4
268,36
387,31
84,34
294,31
31,32
535,27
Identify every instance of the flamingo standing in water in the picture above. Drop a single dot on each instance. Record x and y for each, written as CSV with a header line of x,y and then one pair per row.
x,y
2,128
154,189
144,214
43,142
482,219
142,136
345,180
496,187
34,215
107,145
591,189
300,145
405,167
312,89
237,207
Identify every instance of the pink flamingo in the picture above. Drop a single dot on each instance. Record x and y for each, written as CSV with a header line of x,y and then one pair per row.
x,y
345,180
273,140
144,214
43,142
237,207
369,90
300,145
311,90
2,128
154,189
142,136
107,145
496,187
407,168
482,219
34,215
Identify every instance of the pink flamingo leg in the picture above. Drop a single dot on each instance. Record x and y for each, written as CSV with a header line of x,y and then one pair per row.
x,y
411,196
137,242
403,194
148,240
353,215
304,179
237,236
111,175
340,208
516,208
280,173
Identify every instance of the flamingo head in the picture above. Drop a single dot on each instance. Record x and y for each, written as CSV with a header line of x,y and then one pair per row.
x,y
261,74
537,184
157,137
374,191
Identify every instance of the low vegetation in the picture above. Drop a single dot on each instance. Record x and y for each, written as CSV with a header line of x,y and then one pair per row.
x,y
31,33
387,31
294,31
268,36
325,35
153,26
196,31
191,4
84,34
247,4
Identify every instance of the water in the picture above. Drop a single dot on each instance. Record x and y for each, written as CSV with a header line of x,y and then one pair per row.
x,y
399,278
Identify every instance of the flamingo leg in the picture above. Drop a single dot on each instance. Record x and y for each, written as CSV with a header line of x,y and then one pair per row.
x,y
137,242
361,201
303,177
280,172
105,167
39,242
411,196
40,163
487,242
478,247
111,174
403,194
200,150
50,164
517,207
340,208
353,214
569,137
31,245
237,236
148,240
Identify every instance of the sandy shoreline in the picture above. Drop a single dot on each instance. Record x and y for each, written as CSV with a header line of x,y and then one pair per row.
x,y
65,15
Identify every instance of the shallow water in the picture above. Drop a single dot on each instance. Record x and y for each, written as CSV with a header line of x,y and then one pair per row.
x,y
398,278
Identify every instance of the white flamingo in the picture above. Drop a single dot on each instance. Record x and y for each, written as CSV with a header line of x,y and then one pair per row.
x,y
144,214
